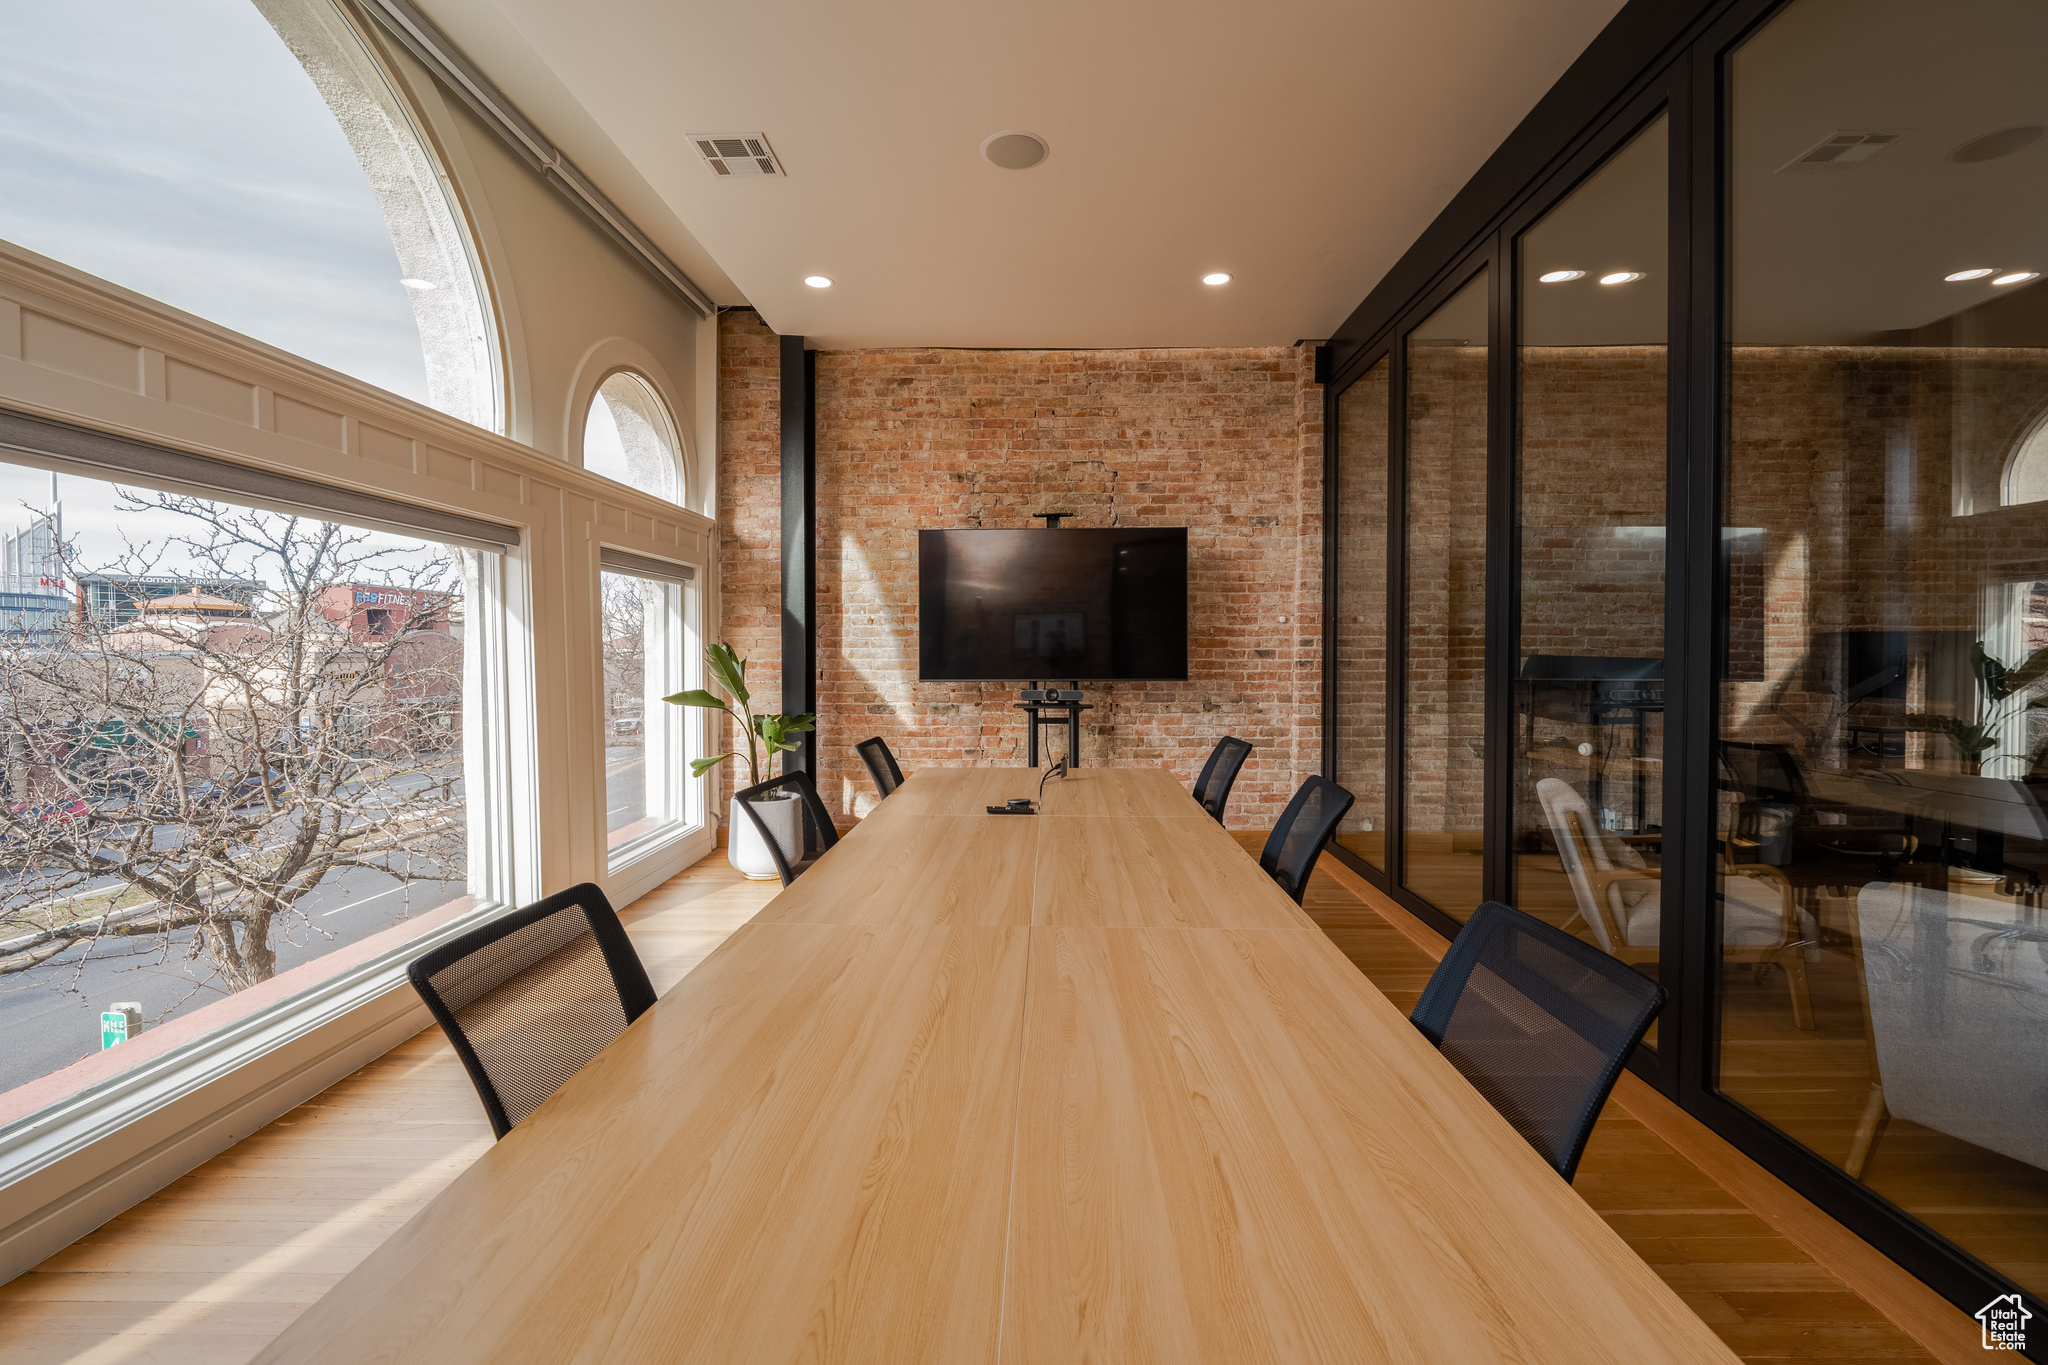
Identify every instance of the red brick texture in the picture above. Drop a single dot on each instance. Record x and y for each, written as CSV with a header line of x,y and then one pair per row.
x,y
749,515
1225,442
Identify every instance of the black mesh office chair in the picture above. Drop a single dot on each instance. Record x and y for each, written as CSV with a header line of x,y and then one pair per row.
x,y
1291,851
1539,1022
881,764
1219,774
529,998
766,804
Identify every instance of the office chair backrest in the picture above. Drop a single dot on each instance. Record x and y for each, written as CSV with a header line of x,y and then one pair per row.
x,y
1305,826
530,997
1219,774
881,764
1539,1022
797,831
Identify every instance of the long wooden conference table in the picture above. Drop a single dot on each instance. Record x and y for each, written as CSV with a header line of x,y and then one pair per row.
x,y
1080,1086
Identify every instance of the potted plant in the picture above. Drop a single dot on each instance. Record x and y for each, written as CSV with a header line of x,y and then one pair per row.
x,y
783,813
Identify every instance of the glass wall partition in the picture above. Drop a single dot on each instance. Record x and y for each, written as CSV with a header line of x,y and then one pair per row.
x,y
1360,636
1882,757
1444,520
1814,538
1593,282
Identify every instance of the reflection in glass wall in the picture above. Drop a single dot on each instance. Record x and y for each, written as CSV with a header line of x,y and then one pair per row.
x,y
1444,729
1882,758
1594,278
1361,612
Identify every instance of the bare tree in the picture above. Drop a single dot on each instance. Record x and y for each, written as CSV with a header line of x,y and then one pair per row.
x,y
204,768
623,602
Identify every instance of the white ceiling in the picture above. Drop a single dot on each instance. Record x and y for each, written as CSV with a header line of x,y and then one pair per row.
x,y
1301,147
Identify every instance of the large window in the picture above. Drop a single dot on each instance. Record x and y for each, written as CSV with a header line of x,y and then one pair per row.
x,y
234,746
1444,706
649,652
1881,764
630,437
1594,277
248,163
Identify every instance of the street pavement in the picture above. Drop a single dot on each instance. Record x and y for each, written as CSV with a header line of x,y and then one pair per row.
x,y
50,1015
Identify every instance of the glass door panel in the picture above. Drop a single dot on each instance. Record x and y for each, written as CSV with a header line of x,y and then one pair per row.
x,y
1444,709
1594,281
1361,612
1884,982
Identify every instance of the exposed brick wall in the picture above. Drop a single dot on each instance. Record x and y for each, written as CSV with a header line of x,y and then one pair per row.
x,y
749,515
1225,442
1872,474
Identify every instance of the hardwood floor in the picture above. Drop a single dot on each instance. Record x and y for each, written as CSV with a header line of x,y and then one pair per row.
x,y
215,1265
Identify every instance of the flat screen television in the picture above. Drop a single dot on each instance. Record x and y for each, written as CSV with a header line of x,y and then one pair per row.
x,y
1103,604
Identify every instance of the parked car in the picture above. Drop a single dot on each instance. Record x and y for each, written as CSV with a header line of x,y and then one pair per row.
x,y
28,813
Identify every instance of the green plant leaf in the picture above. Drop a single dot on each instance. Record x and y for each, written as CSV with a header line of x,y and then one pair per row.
x,y
697,696
775,729
701,766
1990,672
729,671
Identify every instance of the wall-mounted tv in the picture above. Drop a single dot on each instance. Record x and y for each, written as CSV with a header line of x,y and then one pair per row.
x,y
1103,604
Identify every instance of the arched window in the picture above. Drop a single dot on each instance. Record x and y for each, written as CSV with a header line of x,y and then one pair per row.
x,y
250,163
628,437
2026,469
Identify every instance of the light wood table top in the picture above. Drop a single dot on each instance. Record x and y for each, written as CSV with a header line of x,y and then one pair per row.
x,y
938,1103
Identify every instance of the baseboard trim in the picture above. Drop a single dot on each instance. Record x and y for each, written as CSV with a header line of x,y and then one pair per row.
x,y
1938,1325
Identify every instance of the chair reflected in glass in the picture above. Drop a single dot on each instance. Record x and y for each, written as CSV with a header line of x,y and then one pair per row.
x,y
1620,897
1958,996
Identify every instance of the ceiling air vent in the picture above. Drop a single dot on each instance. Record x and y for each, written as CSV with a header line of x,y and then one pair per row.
x,y
1844,148
737,153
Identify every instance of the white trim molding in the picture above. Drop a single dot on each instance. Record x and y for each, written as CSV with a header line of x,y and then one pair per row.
x,y
82,352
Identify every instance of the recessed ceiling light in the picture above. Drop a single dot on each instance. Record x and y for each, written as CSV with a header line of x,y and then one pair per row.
x,y
1014,151
1216,277
417,284
2018,277
2004,142
1979,273
1621,277
818,281
1560,276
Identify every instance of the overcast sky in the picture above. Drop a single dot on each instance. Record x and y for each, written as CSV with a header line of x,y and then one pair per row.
x,y
176,148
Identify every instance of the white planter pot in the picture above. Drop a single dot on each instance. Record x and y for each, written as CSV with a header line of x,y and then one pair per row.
x,y
744,849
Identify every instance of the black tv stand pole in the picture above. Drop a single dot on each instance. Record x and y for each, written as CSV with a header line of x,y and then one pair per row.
x,y
1039,710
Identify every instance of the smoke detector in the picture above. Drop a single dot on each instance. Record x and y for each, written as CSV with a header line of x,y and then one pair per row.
x,y
734,154
1843,148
